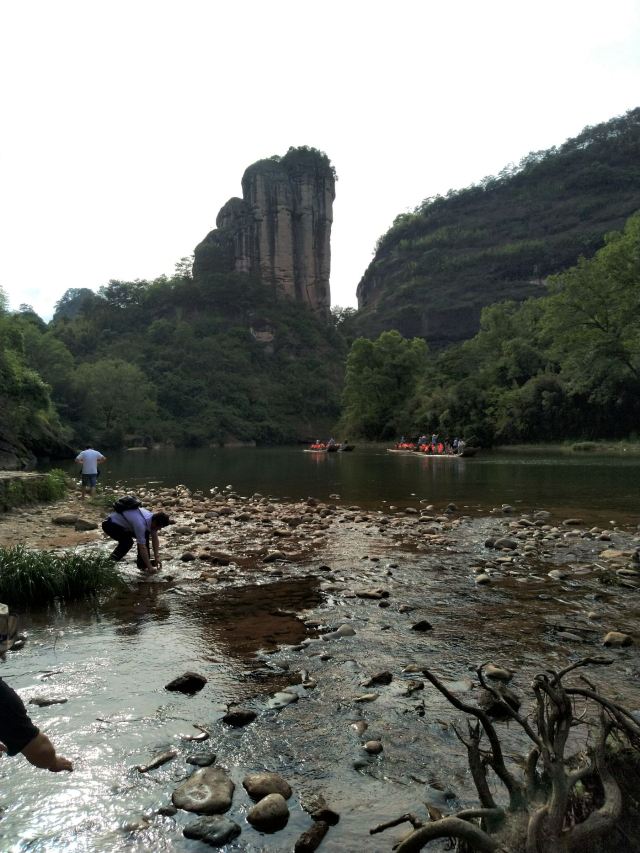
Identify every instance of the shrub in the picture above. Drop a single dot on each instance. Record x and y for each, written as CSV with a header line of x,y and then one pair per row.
x,y
30,578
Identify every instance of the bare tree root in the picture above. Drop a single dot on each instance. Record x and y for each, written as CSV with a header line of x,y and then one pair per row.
x,y
541,816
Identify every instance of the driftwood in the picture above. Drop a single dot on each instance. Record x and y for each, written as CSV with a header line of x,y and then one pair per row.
x,y
537,817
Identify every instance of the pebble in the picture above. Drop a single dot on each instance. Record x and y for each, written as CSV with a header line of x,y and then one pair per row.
x,y
483,579
215,831
497,673
258,785
158,761
207,791
311,838
373,747
270,812
422,626
44,702
384,677
239,717
617,639
202,759
188,682
360,727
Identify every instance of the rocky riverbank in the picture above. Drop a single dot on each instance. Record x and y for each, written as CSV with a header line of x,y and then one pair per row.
x,y
310,624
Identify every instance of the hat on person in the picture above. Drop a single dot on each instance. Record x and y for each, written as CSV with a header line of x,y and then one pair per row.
x,y
8,628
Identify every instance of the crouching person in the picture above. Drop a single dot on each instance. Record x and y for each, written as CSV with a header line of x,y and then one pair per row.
x,y
139,525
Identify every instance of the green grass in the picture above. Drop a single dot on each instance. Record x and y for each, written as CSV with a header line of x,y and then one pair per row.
x,y
19,491
31,578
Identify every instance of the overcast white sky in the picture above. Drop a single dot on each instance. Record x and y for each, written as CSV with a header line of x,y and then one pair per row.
x,y
127,125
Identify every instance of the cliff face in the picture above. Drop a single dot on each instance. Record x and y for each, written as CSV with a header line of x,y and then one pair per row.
x,y
438,267
280,230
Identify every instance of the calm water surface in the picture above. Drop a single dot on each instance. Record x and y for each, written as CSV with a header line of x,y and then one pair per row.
x,y
607,488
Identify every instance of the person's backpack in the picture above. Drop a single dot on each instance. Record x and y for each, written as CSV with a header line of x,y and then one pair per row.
x,y
127,502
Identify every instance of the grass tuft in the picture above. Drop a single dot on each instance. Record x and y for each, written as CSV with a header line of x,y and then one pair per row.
x,y
31,578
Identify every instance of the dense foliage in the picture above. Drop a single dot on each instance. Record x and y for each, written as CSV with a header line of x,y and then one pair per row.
x,y
28,420
437,267
566,365
188,361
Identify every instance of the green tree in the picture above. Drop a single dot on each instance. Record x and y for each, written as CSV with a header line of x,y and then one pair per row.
x,y
380,382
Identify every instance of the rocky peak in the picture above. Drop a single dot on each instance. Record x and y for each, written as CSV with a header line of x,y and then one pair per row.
x,y
280,230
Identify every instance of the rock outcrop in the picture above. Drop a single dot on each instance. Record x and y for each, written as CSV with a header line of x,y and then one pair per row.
x,y
280,229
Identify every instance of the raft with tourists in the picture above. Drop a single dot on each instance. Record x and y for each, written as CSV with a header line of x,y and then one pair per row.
x,y
457,449
330,446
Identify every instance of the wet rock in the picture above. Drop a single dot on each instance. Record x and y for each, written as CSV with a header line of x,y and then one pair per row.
x,y
158,761
376,593
272,556
557,574
497,673
281,700
214,831
202,759
311,838
507,509
270,813
85,524
207,791
239,717
422,626
505,543
384,677
373,747
360,727
167,811
366,697
490,542
44,702
65,520
612,554
384,603
188,682
573,522
187,557
483,579
258,785
617,639
183,529
342,631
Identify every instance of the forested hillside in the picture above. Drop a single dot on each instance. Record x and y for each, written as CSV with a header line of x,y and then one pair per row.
x,y
565,365
29,424
190,361
437,267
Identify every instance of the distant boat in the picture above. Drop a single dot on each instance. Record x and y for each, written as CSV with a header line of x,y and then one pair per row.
x,y
466,453
347,448
330,448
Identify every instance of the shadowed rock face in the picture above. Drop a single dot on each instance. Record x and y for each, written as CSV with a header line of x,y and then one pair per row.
x,y
280,230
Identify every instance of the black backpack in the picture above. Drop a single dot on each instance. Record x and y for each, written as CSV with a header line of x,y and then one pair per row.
x,y
127,502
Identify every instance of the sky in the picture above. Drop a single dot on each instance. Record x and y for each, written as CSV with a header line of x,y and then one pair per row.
x,y
127,125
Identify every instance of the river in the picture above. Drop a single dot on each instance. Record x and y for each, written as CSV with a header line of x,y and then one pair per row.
x,y
251,628
606,487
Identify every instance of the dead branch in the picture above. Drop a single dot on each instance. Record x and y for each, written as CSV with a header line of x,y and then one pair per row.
x,y
515,789
415,822
450,827
557,677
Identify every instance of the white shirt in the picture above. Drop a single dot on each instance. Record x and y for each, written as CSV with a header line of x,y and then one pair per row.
x,y
89,459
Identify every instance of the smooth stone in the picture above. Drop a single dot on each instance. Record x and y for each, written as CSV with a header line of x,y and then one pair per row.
x,y
239,717
497,673
557,574
202,759
366,697
214,831
259,785
188,682
44,702
373,747
187,557
376,593
360,727
271,812
422,626
65,520
405,608
84,524
483,579
207,791
617,639
505,542
282,699
158,761
379,678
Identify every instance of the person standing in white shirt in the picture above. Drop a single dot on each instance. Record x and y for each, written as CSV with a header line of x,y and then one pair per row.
x,y
89,459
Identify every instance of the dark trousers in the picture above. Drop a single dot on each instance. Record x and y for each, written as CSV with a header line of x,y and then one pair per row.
x,y
125,540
